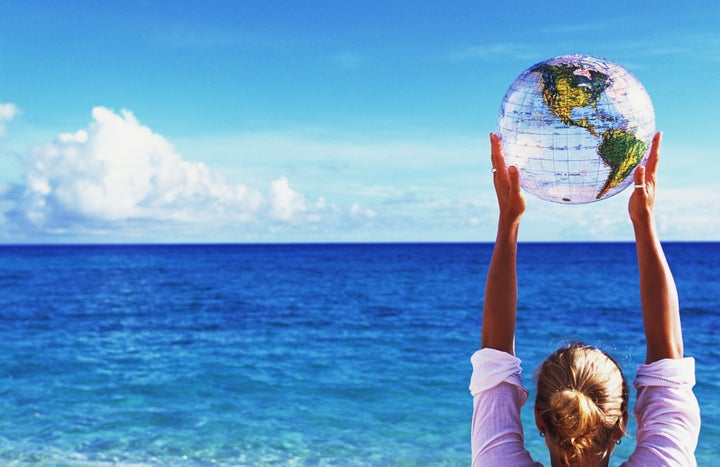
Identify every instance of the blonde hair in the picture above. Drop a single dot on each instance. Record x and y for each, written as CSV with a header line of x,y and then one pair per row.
x,y
582,397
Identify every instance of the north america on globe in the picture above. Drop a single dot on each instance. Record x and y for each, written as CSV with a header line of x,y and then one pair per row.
x,y
576,126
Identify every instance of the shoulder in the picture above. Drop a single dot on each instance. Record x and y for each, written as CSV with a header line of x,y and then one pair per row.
x,y
667,413
492,367
666,373
497,433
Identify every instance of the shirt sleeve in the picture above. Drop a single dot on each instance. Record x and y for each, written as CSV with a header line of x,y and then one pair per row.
x,y
667,414
498,396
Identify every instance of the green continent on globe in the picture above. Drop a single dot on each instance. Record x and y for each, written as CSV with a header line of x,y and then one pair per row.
x,y
564,89
622,151
567,87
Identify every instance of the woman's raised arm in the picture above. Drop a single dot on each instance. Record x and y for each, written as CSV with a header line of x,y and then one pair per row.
x,y
658,294
500,304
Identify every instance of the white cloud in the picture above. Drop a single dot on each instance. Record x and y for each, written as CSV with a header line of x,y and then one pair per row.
x,y
119,170
688,213
358,211
7,113
119,176
285,203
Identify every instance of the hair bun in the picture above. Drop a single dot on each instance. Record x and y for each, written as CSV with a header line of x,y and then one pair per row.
x,y
576,415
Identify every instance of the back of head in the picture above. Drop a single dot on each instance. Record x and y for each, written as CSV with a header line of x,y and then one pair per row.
x,y
581,398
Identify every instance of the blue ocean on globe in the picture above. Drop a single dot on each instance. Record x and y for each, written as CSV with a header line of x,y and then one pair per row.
x,y
302,355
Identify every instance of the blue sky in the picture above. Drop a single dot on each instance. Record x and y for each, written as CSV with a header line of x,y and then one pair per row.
x,y
315,121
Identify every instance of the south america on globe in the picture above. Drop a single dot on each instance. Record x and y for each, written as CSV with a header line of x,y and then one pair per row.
x,y
576,127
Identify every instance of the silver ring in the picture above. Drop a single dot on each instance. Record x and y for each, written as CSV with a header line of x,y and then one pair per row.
x,y
640,186
494,170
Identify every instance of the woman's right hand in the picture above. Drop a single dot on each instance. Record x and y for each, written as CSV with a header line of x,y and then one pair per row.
x,y
507,184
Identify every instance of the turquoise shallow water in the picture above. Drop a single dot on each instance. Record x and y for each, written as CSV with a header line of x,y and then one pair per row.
x,y
301,354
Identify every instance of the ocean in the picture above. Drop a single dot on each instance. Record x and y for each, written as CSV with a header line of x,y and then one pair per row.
x,y
322,354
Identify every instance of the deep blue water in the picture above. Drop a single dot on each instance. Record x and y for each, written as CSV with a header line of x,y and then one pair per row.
x,y
303,354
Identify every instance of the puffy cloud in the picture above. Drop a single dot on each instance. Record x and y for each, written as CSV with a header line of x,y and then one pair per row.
x,y
117,175
7,112
119,170
285,202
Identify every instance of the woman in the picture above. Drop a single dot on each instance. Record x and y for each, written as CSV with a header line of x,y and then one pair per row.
x,y
582,398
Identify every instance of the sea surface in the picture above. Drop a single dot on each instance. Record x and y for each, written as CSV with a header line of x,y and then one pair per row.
x,y
304,354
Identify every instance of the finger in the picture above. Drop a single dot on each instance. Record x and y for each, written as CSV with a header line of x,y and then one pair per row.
x,y
498,160
514,175
494,150
654,158
640,179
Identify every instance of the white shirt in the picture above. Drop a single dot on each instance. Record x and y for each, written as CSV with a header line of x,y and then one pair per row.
x,y
666,411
